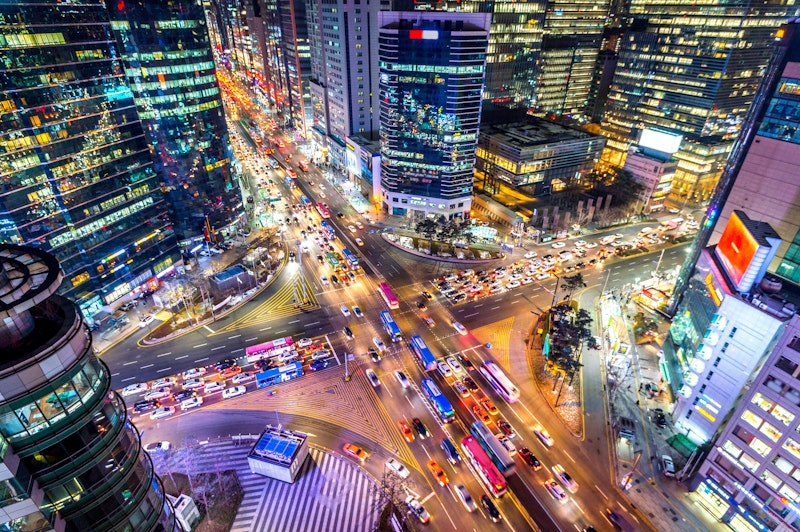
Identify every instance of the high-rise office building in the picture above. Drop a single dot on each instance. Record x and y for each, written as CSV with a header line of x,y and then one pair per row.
x,y
343,38
76,172
432,67
72,460
691,70
760,176
169,64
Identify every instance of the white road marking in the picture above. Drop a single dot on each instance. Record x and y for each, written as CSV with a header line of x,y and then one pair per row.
x,y
115,374
235,350
234,336
470,315
574,500
129,363
199,345
251,339
568,456
281,331
164,354
295,321
180,357
201,359
209,329
428,496
163,370
601,492
409,401
128,379
147,366
265,329
310,324
494,308
215,348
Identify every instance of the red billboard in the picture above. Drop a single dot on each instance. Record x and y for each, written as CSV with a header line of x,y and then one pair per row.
x,y
736,248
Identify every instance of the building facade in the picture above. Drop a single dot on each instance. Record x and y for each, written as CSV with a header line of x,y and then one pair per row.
x,y
654,171
169,64
75,461
76,171
694,72
432,67
536,154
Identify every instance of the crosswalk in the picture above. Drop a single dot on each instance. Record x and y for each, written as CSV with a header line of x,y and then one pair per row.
x,y
330,493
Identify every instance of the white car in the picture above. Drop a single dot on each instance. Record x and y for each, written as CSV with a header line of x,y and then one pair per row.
x,y
213,387
417,509
359,242
157,446
556,491
544,436
193,373
513,284
530,254
667,466
373,378
166,381
135,389
401,470
505,442
164,411
145,320
357,312
402,379
565,479
247,376
158,393
323,280
352,228
558,245
234,391
580,243
345,311
460,328
525,280
444,369
453,363
303,343
194,402
466,498
193,384
359,225
379,345
591,245
542,276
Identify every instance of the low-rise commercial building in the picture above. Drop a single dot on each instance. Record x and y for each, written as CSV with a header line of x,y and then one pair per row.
x,y
279,453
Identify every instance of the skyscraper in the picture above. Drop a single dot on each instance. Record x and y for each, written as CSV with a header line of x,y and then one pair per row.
x,y
76,173
169,64
432,67
72,459
691,70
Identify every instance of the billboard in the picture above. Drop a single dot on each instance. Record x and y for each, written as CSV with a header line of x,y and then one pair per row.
x,y
660,140
736,249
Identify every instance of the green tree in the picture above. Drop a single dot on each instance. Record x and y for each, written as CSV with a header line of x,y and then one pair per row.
x,y
573,282
427,228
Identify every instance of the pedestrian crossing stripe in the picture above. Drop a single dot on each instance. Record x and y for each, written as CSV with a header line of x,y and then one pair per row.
x,y
280,305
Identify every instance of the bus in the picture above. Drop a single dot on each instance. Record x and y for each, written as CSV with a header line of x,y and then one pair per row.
x,y
495,376
323,210
256,352
494,449
278,375
290,181
438,400
351,258
476,456
423,352
305,202
327,228
388,295
303,165
332,260
391,326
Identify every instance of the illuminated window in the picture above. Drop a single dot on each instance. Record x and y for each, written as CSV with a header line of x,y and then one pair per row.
x,y
749,462
752,419
763,403
770,479
788,492
760,447
771,432
783,464
782,414
793,447
732,449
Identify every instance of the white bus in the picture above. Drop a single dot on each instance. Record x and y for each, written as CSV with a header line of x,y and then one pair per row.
x,y
495,376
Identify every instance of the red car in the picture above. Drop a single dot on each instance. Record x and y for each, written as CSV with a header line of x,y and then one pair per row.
x,y
408,434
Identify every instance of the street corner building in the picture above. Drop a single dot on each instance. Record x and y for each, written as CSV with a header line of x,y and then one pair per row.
x,y
72,461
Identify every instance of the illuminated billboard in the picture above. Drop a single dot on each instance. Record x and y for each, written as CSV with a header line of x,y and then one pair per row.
x,y
736,249
660,140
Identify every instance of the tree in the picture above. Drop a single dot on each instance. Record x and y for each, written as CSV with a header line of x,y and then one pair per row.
x,y
427,228
573,282
391,492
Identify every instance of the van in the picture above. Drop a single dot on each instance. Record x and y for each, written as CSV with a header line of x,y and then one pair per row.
x,y
324,353
213,387
450,450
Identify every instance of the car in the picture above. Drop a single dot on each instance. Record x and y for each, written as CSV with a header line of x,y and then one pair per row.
x,y
233,391
165,381
359,242
530,254
466,498
453,363
320,259
323,280
667,466
338,214
565,478
591,245
417,509
158,393
556,491
438,473
193,384
422,306
335,280
135,389
128,305
192,402
402,379
213,387
322,353
408,434
304,343
430,323
580,243
506,443
659,418
529,458
145,320
157,446
558,245
351,228
460,388
320,364
459,297
513,284
466,362
525,280
355,451
348,332
357,311
491,509
146,405
183,395
674,211
481,414
224,364
230,372
419,426
193,373
241,378
444,369
373,354
544,436
489,406
506,427
359,225
542,276
395,465
379,344
162,412
470,384
372,377
427,295
345,311
460,328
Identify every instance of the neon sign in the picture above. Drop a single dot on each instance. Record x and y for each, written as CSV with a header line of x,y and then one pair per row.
x,y
428,35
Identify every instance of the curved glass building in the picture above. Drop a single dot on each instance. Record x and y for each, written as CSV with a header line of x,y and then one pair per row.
x,y
71,457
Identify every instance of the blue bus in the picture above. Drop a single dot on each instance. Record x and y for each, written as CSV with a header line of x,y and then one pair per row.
x,y
290,181
438,400
278,375
391,326
351,258
306,202
424,354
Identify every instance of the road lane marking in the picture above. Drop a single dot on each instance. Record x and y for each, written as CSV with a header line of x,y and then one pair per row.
x,y
494,308
180,357
147,366
209,329
215,348
162,370
201,359
240,349
281,331
251,339
568,456
295,321
128,379
265,329
409,401
470,315
234,336
601,492
115,374
310,324
515,302
164,354
199,345
129,363
578,505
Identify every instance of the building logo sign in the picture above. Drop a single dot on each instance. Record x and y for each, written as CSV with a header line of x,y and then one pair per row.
x,y
428,35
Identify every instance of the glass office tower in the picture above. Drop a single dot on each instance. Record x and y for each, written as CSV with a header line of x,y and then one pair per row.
x,y
432,68
168,60
76,175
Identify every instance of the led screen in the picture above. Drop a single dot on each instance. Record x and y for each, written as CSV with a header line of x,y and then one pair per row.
x,y
659,140
736,249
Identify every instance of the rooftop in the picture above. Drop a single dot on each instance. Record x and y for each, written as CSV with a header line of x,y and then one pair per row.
x,y
278,445
532,132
